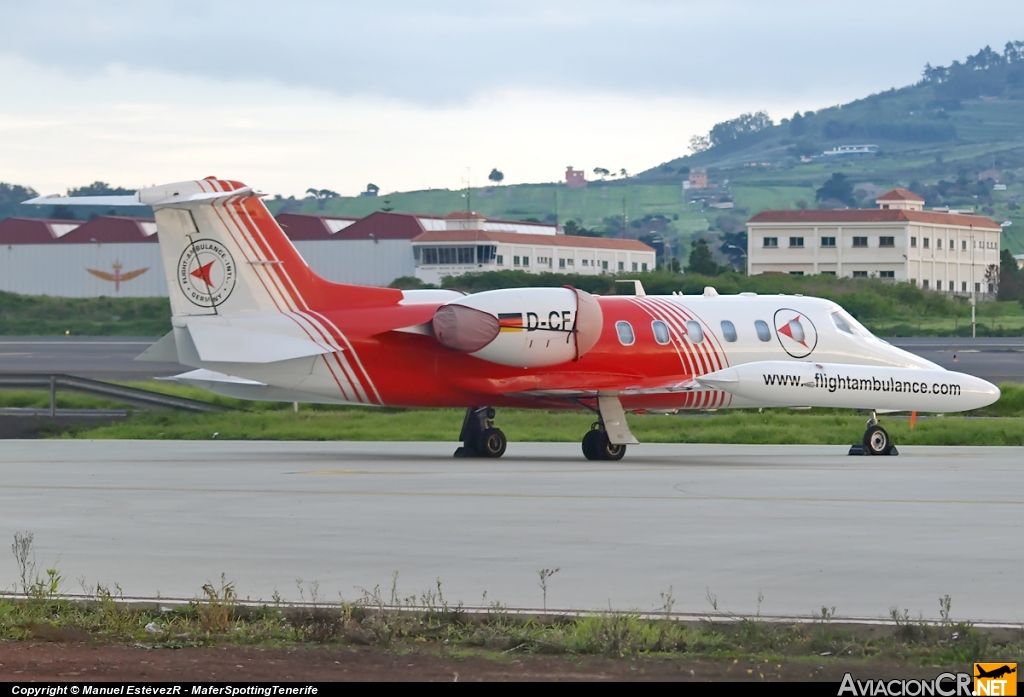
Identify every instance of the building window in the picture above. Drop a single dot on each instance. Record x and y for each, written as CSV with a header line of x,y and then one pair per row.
x,y
950,286
860,274
643,267
429,255
625,332
913,241
561,263
977,287
604,265
887,274
586,262
796,273
571,261
660,331
634,266
796,241
828,273
763,333
828,241
515,261
938,243
485,254
500,259
526,261
693,332
771,241
963,286
924,284
622,266
927,241
963,245
991,288
886,241
860,241
728,330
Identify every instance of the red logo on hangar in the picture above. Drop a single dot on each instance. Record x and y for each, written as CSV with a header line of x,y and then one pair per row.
x,y
796,333
206,273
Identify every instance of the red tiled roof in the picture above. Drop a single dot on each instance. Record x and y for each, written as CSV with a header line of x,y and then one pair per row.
x,y
874,215
382,226
29,230
109,229
303,226
524,238
899,195
465,215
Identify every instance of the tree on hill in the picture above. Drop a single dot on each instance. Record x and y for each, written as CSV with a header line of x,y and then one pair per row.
x,y
496,176
12,194
602,172
323,195
1011,285
701,261
734,247
574,229
733,132
838,188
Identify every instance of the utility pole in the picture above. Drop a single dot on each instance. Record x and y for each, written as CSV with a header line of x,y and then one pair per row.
x,y
556,205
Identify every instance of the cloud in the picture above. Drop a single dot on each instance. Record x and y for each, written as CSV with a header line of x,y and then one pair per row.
x,y
449,52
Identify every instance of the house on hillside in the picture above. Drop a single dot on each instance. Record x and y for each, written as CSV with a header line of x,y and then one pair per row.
x,y
575,179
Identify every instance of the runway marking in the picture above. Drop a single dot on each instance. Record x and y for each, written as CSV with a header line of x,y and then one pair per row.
x,y
462,473
505,495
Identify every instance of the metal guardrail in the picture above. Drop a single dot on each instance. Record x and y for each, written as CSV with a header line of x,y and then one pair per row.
x,y
121,393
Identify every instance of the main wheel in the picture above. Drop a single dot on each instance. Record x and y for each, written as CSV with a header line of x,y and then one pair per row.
x,y
590,445
877,441
491,443
606,450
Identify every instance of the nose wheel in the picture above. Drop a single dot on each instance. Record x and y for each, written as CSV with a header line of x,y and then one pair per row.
x,y
876,440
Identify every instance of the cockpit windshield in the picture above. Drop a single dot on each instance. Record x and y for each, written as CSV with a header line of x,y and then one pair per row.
x,y
847,324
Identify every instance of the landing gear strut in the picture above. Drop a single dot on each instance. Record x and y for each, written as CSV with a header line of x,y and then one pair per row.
x,y
596,445
479,436
876,440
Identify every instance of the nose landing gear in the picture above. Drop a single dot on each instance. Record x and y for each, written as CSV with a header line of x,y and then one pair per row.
x,y
876,440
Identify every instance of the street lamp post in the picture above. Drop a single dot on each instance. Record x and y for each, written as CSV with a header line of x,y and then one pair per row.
x,y
746,271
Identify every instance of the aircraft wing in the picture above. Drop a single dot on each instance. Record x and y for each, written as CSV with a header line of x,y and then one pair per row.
x,y
569,386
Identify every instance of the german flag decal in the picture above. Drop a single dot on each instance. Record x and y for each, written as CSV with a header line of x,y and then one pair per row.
x,y
510,321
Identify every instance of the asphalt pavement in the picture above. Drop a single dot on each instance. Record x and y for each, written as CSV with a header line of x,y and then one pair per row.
x,y
780,530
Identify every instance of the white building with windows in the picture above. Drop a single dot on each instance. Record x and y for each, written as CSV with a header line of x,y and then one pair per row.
x,y
898,240
466,247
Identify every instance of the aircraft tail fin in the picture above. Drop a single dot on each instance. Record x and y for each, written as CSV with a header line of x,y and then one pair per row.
x,y
224,253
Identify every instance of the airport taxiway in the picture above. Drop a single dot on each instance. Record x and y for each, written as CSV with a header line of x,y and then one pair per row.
x,y
800,526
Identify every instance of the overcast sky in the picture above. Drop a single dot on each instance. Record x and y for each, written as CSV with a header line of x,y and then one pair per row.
x,y
410,95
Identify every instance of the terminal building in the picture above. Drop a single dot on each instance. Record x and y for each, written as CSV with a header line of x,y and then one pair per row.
x,y
119,256
899,240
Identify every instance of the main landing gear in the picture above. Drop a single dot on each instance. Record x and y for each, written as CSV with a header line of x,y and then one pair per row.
x,y
479,436
596,445
607,438
876,440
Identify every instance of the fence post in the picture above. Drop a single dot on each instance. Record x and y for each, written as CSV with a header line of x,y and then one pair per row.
x,y
53,396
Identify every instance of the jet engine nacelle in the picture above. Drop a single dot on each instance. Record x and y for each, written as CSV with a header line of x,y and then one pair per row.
x,y
522,327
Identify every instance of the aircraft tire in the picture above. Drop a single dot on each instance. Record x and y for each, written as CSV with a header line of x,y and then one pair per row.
x,y
491,443
877,441
606,450
590,445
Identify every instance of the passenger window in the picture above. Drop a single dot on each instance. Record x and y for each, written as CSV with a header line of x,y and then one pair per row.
x,y
728,330
763,332
660,331
625,331
694,331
